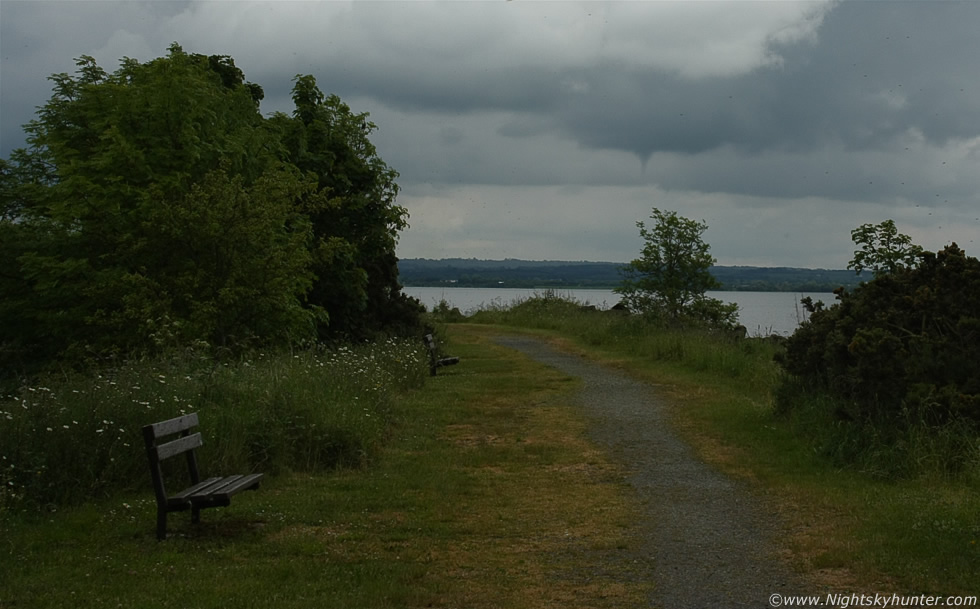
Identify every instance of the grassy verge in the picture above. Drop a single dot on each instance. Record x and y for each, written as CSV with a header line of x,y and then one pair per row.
x,y
69,438
850,530
486,495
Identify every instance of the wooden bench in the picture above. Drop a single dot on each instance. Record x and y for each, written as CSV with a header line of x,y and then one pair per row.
x,y
434,360
213,492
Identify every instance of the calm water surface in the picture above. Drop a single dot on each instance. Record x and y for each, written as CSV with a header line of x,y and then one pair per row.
x,y
763,313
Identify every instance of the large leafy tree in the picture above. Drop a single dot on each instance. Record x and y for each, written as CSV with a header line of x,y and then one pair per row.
x,y
671,277
155,206
354,217
152,207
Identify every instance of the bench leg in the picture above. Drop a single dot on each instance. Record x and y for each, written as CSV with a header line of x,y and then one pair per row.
x,y
195,515
161,525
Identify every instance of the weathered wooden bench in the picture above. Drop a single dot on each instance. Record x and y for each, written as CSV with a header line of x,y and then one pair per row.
x,y
434,360
213,492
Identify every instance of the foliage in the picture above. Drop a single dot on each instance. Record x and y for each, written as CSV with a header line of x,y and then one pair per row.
x,y
669,281
69,439
355,219
156,208
444,312
897,356
883,249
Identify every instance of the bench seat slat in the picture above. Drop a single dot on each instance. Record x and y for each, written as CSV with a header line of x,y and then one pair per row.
x,y
185,494
221,489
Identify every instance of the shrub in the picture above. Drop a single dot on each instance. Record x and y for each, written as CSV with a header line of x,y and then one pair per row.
x,y
446,313
898,354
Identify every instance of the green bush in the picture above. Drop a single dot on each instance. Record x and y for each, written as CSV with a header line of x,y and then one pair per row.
x,y
897,359
444,312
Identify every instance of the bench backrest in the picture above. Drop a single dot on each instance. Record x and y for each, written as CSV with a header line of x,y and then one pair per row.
x,y
186,443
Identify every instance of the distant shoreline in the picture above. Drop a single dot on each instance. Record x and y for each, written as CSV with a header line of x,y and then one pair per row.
x,y
558,275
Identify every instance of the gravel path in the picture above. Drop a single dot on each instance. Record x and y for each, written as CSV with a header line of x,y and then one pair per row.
x,y
710,541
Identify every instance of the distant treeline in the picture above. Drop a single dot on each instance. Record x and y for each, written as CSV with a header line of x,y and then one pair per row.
x,y
462,272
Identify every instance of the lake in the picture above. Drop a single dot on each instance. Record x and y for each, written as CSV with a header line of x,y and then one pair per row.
x,y
763,313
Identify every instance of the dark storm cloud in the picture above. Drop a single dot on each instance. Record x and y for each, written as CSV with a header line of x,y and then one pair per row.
x,y
878,77
420,88
877,72
791,121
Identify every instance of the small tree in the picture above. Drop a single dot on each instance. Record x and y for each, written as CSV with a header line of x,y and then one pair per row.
x,y
670,280
883,249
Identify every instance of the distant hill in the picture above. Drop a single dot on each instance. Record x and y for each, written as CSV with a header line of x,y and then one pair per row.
x,y
471,272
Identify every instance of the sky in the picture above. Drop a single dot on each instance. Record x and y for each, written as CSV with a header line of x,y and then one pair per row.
x,y
545,130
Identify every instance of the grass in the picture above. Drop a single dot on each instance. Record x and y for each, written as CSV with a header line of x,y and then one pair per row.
x,y
850,530
485,494
69,438
482,491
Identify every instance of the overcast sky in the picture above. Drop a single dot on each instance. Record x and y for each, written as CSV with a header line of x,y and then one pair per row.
x,y
545,130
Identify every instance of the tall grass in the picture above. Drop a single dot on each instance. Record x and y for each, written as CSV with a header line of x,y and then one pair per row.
x,y
67,439
905,447
616,332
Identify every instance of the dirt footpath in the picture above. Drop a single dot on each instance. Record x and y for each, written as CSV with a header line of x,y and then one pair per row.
x,y
710,542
